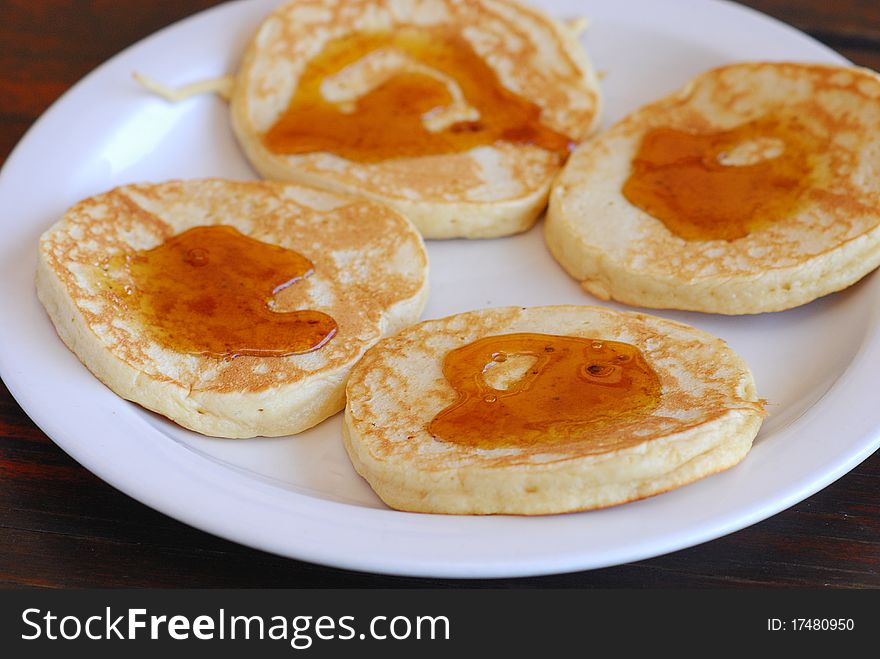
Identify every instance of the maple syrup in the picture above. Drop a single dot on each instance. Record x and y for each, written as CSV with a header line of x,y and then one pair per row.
x,y
570,388
722,185
392,119
209,291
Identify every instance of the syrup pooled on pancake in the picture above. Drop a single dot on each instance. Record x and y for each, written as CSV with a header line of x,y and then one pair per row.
x,y
723,185
569,387
208,291
427,70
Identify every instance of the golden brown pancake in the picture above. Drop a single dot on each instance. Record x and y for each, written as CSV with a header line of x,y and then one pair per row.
x,y
779,194
492,189
369,276
703,418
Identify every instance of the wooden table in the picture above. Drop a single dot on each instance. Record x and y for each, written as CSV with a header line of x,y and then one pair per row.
x,y
62,527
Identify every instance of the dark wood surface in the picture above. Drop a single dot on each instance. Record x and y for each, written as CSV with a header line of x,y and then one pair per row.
x,y
62,527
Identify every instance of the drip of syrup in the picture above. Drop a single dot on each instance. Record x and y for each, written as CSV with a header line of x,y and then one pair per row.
x,y
430,94
722,185
571,387
209,291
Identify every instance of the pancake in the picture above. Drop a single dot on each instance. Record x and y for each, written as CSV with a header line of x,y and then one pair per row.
x,y
691,410
369,276
792,182
491,189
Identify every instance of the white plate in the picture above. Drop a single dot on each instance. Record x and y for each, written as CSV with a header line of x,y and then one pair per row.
x,y
300,497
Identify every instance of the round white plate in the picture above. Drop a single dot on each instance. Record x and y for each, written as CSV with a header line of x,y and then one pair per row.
x,y
299,496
